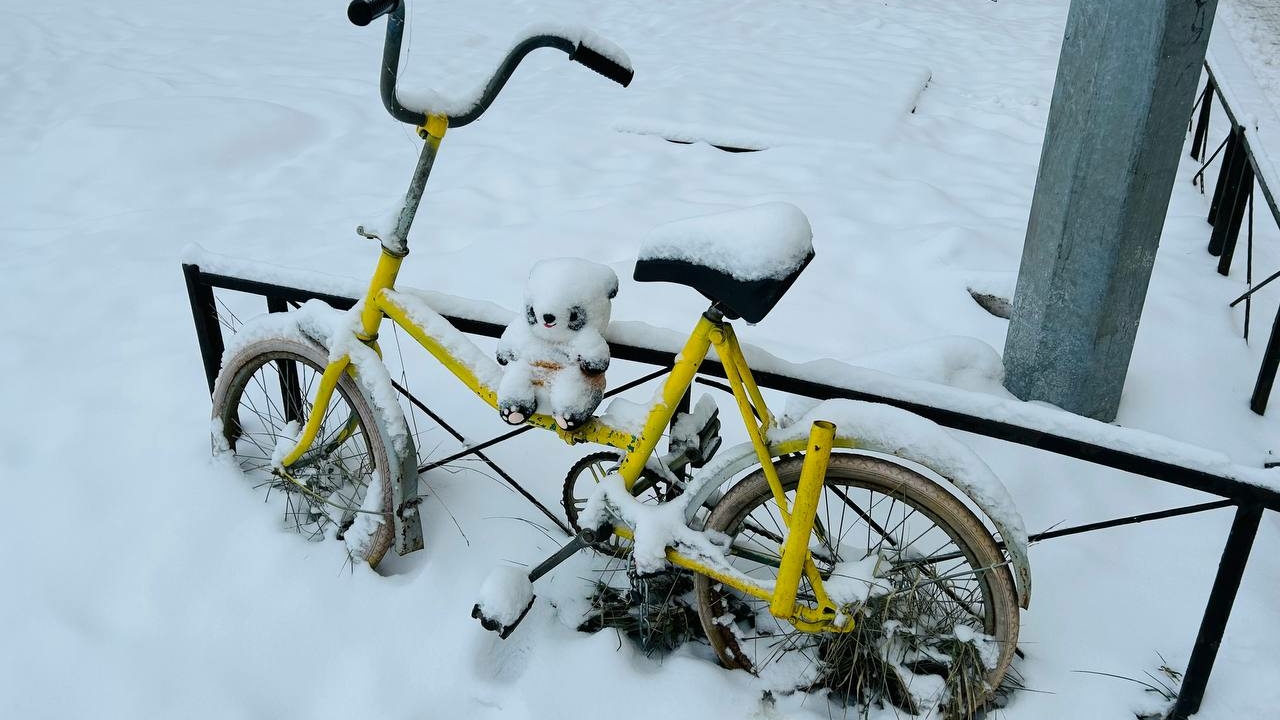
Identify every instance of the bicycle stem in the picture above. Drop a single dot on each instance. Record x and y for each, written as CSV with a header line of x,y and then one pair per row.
x,y
432,132
432,125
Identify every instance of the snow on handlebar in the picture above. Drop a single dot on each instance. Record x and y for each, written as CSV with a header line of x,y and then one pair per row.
x,y
580,44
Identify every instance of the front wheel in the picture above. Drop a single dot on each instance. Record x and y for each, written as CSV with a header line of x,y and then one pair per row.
x,y
935,614
341,486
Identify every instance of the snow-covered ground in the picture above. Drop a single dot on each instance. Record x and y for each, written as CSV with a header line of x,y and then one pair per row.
x,y
1255,26
142,580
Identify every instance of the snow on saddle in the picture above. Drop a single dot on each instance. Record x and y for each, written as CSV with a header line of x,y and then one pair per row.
x,y
742,260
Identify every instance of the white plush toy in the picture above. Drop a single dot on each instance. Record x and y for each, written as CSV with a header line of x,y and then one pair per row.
x,y
555,356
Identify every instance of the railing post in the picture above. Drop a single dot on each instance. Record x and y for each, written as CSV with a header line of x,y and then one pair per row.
x,y
1267,373
1228,176
204,311
287,370
1218,610
1202,122
1235,199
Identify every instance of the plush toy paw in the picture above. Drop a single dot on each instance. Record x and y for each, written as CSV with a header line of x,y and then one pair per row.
x,y
515,412
571,420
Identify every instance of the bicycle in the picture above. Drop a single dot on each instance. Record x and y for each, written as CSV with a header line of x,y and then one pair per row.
x,y
304,404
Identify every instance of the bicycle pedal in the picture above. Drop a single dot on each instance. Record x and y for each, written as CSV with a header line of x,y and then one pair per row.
x,y
495,625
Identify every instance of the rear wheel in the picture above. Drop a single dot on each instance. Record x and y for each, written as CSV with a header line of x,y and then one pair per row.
x,y
339,488
936,617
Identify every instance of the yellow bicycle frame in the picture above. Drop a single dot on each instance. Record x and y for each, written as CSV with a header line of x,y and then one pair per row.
x,y
711,331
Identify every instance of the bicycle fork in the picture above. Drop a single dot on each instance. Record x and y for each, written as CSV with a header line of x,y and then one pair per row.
x,y
796,555
797,559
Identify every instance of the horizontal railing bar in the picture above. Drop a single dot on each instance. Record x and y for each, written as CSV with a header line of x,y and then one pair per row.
x,y
1104,525
284,292
271,290
1203,481
1131,520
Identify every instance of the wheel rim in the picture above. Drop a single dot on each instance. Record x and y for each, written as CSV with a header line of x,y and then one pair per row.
x,y
586,475
936,581
273,395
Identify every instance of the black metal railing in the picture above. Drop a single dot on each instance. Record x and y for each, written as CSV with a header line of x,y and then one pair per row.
x,y
1248,499
1240,178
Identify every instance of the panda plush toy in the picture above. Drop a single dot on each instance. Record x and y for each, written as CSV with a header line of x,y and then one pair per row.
x,y
554,357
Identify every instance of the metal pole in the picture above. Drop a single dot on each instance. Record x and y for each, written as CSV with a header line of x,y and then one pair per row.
x,y
1216,613
1102,191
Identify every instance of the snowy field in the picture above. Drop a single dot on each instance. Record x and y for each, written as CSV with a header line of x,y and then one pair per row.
x,y
139,579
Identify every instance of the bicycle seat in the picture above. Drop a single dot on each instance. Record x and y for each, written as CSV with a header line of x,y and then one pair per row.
x,y
743,260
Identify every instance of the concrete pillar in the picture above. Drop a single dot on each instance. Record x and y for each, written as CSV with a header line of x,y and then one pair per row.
x,y
1126,83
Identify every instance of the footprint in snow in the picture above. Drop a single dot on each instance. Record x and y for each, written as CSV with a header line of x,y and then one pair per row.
x,y
505,660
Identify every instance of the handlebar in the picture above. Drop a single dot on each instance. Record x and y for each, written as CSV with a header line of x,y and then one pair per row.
x,y
363,12
594,53
602,64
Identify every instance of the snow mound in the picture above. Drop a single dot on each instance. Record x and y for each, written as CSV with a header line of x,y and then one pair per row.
x,y
505,594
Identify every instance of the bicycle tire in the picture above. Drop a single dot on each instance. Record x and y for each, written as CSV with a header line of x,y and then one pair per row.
x,y
746,641
249,403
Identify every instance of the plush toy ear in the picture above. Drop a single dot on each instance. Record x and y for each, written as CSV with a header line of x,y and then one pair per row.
x,y
577,318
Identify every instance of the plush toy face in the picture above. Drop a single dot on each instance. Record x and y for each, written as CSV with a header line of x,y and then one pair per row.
x,y
565,296
554,323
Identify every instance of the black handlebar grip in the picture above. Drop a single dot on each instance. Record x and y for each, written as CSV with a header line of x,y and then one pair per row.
x,y
602,64
363,12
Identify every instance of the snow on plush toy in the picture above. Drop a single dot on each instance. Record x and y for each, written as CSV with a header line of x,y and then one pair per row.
x,y
556,355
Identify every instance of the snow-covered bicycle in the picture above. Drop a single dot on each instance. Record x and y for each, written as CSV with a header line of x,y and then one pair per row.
x,y
839,547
